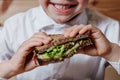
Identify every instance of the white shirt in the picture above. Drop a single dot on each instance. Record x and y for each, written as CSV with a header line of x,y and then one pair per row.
x,y
3,79
79,67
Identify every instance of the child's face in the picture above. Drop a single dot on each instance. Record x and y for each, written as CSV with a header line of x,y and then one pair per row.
x,y
63,10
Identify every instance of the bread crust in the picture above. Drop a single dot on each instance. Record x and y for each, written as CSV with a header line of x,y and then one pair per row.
x,y
58,39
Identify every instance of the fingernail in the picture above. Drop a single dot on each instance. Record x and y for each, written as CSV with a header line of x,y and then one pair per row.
x,y
79,32
46,41
66,35
71,35
49,38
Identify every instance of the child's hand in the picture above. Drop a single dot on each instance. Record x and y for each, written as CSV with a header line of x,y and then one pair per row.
x,y
18,63
102,45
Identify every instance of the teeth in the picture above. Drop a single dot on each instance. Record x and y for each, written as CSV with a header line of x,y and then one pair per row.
x,y
63,7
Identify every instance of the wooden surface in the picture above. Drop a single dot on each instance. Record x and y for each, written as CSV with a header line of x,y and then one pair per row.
x,y
111,74
15,7
108,7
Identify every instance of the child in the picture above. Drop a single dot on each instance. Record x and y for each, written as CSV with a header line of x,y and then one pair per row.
x,y
108,51
55,17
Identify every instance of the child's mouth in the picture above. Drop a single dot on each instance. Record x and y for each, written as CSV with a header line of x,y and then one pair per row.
x,y
63,8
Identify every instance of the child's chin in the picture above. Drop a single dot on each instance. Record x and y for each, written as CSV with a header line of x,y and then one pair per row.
x,y
61,21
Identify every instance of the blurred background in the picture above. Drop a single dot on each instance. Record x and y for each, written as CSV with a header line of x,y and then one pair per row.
x,y
10,7
110,8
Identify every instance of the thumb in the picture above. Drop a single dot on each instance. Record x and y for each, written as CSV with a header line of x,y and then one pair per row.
x,y
89,50
31,65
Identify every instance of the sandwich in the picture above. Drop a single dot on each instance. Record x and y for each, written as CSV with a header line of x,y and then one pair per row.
x,y
61,48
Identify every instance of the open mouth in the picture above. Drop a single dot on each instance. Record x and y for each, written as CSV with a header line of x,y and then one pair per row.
x,y
63,8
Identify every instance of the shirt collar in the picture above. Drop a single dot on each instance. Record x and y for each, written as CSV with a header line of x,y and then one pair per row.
x,y
42,20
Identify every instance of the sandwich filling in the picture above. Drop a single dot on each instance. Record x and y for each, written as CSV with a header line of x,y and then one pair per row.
x,y
64,50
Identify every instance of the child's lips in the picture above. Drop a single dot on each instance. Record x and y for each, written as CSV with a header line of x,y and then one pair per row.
x,y
63,8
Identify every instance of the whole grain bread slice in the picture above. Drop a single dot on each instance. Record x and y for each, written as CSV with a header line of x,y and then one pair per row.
x,y
58,39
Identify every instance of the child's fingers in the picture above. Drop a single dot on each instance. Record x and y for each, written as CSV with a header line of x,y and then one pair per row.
x,y
27,46
67,31
19,59
43,37
34,58
31,65
38,39
88,28
76,30
41,34
95,32
25,50
22,53
88,50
